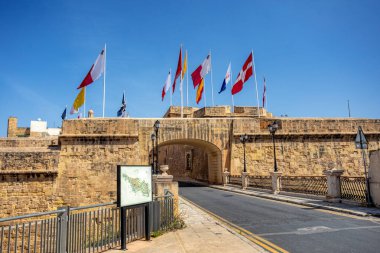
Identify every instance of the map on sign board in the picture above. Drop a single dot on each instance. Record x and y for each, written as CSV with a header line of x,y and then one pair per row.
x,y
135,185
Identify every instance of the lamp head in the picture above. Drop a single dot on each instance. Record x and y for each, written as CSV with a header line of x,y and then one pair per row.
x,y
156,125
273,127
153,137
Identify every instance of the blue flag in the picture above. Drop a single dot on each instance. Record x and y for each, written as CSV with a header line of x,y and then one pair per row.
x,y
226,80
63,116
123,107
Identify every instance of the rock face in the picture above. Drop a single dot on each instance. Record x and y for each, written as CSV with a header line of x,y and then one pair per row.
x,y
79,167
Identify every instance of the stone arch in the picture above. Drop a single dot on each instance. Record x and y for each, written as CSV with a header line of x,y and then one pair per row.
x,y
214,156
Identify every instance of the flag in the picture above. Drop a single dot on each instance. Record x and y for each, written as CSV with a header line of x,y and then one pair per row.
x,y
63,116
166,85
123,107
79,101
244,74
200,91
227,79
184,68
95,72
179,68
201,71
264,92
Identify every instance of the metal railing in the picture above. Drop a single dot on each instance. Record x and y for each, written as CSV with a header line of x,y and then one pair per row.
x,y
93,228
353,188
234,179
316,185
264,182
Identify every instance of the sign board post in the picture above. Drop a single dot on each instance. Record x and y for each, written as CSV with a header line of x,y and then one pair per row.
x,y
362,143
134,188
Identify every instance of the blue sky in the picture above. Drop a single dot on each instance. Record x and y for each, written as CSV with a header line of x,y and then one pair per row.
x,y
315,55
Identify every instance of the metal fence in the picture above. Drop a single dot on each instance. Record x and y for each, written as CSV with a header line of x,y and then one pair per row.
x,y
353,188
234,179
316,185
94,228
264,182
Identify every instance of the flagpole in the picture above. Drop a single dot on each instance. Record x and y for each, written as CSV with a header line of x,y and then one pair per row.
x,y
204,90
266,96
257,93
181,95
84,104
232,96
212,83
104,78
170,88
125,101
187,81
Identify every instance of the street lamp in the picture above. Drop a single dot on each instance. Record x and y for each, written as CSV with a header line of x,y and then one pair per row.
x,y
244,139
153,138
272,129
156,127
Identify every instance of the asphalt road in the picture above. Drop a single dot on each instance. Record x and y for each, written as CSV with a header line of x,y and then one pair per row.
x,y
293,228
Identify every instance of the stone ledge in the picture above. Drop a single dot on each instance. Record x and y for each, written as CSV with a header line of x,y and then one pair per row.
x,y
89,136
10,172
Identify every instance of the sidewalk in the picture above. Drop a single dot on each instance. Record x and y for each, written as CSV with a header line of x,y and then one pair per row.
x,y
304,200
203,234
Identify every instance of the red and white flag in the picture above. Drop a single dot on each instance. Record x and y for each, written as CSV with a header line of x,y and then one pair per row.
x,y
244,74
264,92
97,69
201,71
179,68
167,85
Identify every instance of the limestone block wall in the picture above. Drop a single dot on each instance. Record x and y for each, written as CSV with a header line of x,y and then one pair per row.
x,y
28,171
14,130
303,146
175,156
87,168
374,176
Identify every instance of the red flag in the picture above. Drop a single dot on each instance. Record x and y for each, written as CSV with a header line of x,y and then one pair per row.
x,y
244,74
179,68
196,76
264,92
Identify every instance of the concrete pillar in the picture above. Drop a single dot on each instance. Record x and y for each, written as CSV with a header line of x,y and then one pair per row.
x,y
374,176
244,180
276,182
163,183
333,184
90,113
226,175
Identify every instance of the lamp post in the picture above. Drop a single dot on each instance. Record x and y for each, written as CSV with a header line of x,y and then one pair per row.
x,y
272,129
156,127
153,138
244,139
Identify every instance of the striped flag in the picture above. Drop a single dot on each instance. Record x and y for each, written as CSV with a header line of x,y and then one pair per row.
x,y
166,85
226,80
78,102
184,68
95,72
179,68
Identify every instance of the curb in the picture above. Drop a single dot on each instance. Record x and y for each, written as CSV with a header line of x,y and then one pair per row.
x,y
330,208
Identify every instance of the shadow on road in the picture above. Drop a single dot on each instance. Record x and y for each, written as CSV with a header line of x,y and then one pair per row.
x,y
190,184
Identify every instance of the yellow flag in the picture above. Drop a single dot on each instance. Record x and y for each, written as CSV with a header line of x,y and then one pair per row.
x,y
79,101
184,68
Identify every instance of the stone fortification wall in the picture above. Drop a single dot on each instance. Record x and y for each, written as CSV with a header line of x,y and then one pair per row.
x,y
28,172
303,146
79,168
